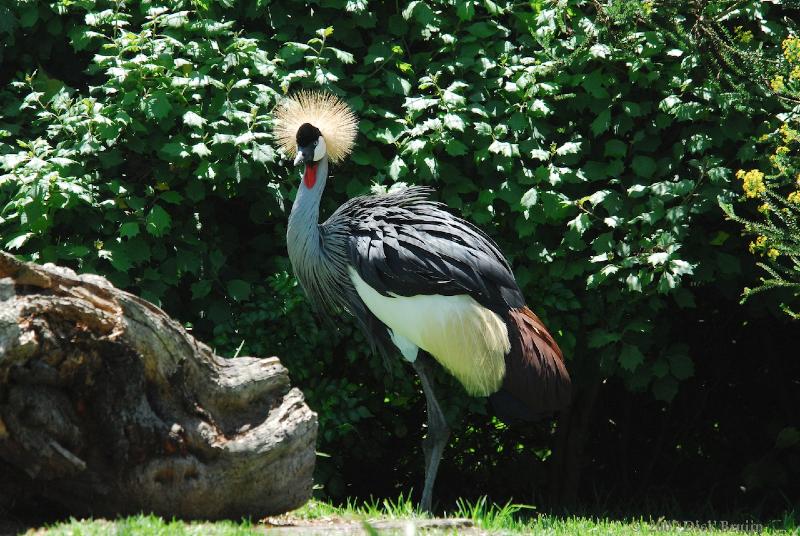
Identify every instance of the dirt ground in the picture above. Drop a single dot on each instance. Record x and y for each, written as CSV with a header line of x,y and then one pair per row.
x,y
334,525
338,525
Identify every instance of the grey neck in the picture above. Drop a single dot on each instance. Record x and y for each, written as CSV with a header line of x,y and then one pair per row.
x,y
302,234
305,210
319,253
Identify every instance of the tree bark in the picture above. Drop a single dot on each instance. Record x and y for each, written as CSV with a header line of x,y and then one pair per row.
x,y
107,406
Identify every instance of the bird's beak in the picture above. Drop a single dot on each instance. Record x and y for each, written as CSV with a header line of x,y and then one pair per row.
x,y
298,158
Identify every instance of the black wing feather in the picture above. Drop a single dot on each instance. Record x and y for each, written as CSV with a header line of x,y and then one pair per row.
x,y
406,245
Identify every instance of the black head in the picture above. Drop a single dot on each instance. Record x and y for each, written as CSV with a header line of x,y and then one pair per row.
x,y
307,138
307,134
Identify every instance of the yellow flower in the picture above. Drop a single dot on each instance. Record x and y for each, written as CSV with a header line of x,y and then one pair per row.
x,y
773,254
752,182
745,36
782,150
758,244
789,134
795,74
794,197
763,208
777,84
791,49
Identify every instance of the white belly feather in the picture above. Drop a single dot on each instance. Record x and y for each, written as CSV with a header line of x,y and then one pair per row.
x,y
467,339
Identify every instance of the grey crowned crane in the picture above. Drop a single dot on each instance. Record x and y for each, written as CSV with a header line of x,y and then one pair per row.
x,y
418,280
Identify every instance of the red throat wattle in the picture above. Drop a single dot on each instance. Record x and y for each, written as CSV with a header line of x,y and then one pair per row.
x,y
310,176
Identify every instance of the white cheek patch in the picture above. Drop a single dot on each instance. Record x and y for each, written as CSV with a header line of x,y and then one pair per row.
x,y
320,150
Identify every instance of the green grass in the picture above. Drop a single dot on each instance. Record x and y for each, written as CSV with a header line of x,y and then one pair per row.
x,y
147,525
508,519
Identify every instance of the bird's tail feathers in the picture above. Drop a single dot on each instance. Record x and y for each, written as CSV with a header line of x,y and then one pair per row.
x,y
536,381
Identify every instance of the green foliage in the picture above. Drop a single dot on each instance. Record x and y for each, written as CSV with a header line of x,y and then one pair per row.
x,y
777,229
588,139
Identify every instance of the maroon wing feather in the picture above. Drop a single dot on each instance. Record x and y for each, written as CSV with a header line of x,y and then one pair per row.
x,y
535,371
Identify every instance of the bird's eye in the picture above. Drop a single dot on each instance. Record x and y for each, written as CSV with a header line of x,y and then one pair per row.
x,y
315,143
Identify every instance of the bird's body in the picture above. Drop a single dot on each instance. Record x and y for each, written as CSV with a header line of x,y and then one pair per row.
x,y
420,281
418,277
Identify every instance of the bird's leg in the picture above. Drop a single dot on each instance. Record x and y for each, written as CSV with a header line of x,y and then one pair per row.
x,y
438,432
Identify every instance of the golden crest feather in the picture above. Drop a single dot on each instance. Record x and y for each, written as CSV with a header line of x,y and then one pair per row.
x,y
325,111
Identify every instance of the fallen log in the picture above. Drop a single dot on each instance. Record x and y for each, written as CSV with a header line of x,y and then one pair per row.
x,y
108,406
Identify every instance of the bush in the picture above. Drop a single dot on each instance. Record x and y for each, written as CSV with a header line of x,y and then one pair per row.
x,y
592,141
778,228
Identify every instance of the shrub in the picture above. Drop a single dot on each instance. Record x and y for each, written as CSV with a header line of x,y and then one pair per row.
x,y
592,141
777,230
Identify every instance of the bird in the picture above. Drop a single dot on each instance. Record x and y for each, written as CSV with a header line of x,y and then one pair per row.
x,y
420,281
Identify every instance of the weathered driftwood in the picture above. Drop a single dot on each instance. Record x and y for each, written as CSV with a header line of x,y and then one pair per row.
x,y
108,406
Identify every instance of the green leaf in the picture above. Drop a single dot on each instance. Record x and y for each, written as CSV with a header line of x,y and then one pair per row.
x,y
119,258
699,143
600,337
174,151
465,9
171,196
539,108
195,191
452,98
634,283
719,175
200,289
601,122
630,357
157,105
570,147
482,128
643,166
540,154
397,84
341,55
720,238
658,258
263,154
665,388
453,147
660,368
529,198
615,148
414,146
681,366
397,168
200,149
238,289
76,252
18,241
193,120
409,10
454,122
680,267
158,221
503,148
28,15
129,229
580,223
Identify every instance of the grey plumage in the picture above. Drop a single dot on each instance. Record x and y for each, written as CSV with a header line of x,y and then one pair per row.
x,y
400,243
318,253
